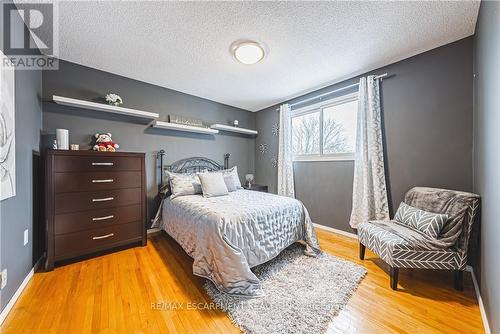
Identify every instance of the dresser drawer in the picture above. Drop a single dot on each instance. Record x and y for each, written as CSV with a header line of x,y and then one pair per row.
x,y
91,200
85,220
87,181
73,244
96,163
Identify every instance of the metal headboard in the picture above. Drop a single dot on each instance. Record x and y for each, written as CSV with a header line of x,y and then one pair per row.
x,y
191,165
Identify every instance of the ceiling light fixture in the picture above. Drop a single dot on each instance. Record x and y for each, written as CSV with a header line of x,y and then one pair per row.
x,y
248,52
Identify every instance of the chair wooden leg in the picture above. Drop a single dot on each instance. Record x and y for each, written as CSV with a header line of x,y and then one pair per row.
x,y
459,280
394,278
362,249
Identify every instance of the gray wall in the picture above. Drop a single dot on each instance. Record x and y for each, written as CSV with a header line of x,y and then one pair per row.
x,y
17,212
77,81
427,109
486,148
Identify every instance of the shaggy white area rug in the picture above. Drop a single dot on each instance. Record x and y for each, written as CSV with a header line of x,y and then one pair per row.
x,y
302,294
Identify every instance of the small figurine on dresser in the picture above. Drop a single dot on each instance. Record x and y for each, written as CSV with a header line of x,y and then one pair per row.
x,y
104,143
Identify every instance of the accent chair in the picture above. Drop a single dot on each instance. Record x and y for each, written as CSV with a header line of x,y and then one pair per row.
x,y
398,251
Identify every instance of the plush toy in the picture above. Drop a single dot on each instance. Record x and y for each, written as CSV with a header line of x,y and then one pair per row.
x,y
104,143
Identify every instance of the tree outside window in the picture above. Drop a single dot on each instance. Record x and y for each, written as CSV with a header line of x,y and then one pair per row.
x,y
327,131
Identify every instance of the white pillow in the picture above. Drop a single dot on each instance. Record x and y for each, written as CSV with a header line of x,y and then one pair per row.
x,y
233,173
183,184
229,181
212,184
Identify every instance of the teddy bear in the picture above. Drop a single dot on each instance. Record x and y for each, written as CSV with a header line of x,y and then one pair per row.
x,y
104,143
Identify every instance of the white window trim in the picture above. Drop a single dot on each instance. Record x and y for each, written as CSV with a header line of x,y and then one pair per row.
x,y
318,107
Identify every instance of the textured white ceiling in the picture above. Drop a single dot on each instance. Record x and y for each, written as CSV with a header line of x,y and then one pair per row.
x,y
185,45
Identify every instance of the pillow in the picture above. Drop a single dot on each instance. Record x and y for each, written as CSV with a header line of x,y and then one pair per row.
x,y
230,184
426,222
212,184
183,184
233,173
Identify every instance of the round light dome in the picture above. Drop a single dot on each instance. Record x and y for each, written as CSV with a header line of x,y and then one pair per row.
x,y
248,52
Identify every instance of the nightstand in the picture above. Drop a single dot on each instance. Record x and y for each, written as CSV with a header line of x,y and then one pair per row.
x,y
256,187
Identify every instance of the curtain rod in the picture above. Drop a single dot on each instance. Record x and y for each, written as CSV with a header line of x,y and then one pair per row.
x,y
332,91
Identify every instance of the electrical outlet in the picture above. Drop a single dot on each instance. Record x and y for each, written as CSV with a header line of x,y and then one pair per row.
x,y
25,237
3,278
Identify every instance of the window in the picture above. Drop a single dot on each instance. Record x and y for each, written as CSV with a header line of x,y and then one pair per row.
x,y
305,134
325,131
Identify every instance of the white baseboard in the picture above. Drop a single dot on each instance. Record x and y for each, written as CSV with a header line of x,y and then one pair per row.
x,y
153,231
19,290
486,324
334,230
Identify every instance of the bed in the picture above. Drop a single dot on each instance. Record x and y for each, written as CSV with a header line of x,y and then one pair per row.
x,y
228,235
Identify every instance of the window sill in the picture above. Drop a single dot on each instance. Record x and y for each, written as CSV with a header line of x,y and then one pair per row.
x,y
339,157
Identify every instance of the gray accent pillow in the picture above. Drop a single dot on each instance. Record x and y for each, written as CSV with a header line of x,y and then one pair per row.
x,y
233,173
212,184
426,222
183,184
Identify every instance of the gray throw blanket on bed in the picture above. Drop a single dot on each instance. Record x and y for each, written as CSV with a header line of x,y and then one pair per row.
x,y
452,203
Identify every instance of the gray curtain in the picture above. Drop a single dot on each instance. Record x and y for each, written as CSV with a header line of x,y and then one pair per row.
x,y
369,199
286,185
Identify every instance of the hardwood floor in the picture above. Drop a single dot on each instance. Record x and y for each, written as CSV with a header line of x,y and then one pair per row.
x,y
130,291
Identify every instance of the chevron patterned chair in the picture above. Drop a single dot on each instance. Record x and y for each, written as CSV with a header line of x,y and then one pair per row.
x,y
461,209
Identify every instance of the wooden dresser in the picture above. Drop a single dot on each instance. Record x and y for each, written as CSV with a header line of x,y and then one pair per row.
x,y
94,201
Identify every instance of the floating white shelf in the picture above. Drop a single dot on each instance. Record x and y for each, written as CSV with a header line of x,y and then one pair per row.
x,y
68,101
182,127
229,128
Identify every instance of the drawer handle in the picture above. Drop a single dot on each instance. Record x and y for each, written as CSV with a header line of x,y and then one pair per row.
x,y
102,199
102,164
103,236
103,181
103,218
